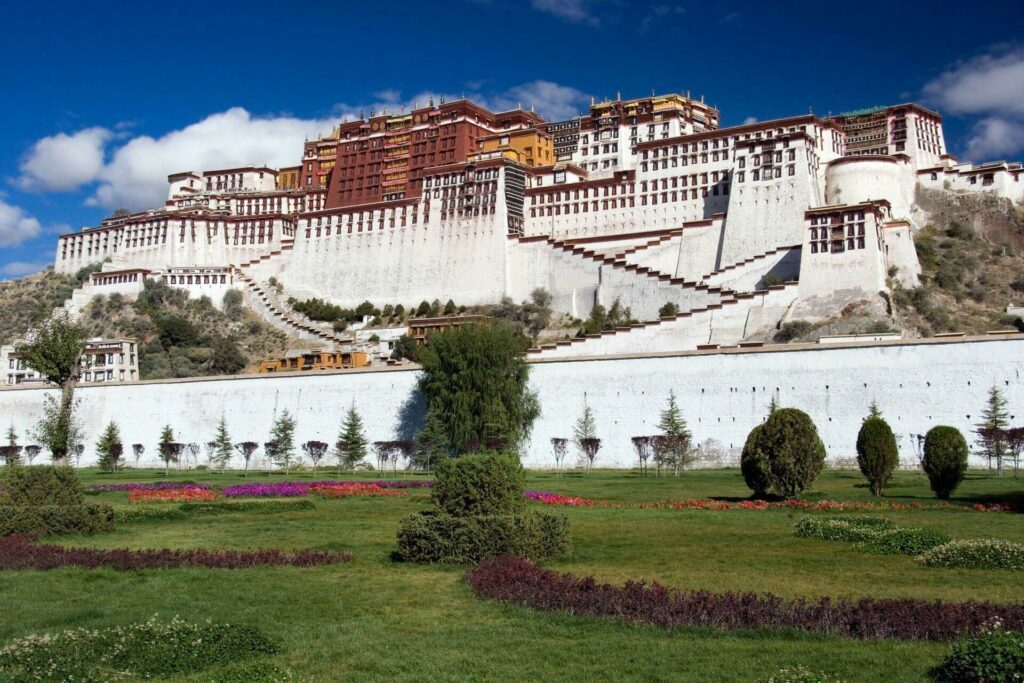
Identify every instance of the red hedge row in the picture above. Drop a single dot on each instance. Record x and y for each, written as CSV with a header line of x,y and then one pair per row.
x,y
21,552
517,581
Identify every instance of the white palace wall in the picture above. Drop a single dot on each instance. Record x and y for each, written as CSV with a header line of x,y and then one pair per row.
x,y
722,394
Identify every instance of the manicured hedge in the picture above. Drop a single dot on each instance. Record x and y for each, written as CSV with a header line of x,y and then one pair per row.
x,y
41,485
517,581
153,649
871,534
981,553
20,552
486,484
436,537
53,520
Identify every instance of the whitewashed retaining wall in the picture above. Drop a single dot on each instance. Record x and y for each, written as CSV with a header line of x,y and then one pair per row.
x,y
723,395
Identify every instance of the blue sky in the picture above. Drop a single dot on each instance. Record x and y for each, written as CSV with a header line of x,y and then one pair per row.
x,y
102,102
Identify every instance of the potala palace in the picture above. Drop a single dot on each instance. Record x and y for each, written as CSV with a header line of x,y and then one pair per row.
x,y
644,201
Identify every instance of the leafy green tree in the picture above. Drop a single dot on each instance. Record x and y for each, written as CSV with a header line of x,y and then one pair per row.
x,y
109,449
167,448
54,349
351,448
668,310
945,459
992,429
877,455
405,347
677,436
282,441
226,358
221,446
431,442
476,379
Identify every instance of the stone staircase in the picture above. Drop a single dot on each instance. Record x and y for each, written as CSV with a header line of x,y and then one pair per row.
x,y
266,305
725,323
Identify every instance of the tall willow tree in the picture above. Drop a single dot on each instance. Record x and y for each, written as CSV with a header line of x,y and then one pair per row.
x,y
54,349
475,378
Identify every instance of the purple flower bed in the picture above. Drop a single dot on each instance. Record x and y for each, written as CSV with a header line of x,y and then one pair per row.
x,y
517,581
162,486
21,552
297,488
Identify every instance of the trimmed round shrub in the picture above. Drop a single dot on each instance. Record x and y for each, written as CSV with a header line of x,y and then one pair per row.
x,y
992,655
877,455
41,485
485,484
433,537
794,454
753,466
978,553
945,459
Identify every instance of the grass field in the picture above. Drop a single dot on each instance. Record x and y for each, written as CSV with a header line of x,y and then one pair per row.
x,y
374,619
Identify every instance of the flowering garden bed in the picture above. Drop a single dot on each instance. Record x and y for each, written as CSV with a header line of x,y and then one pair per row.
x,y
21,552
162,486
189,495
344,490
517,581
297,488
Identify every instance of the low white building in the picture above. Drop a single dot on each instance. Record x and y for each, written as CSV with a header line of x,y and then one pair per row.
x,y
104,360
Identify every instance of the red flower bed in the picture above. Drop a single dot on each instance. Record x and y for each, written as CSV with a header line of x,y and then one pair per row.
x,y
517,581
20,552
343,490
189,495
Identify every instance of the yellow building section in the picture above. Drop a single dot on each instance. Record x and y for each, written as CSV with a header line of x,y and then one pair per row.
x,y
530,147
317,360
288,178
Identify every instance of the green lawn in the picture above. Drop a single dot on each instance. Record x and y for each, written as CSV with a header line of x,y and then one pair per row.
x,y
376,619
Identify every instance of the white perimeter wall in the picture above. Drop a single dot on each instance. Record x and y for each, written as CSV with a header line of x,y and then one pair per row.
x,y
722,396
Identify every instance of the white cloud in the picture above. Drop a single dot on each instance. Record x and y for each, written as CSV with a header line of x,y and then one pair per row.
x,y
660,13
575,11
20,268
552,101
749,120
995,137
987,84
64,162
16,226
136,175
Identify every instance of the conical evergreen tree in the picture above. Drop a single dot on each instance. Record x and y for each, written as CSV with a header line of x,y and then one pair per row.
x,y
992,428
167,451
222,448
282,436
677,436
109,449
351,447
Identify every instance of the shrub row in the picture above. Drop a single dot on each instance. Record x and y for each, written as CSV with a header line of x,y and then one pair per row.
x,y
982,553
801,674
160,513
436,537
20,552
52,520
149,649
517,581
871,534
